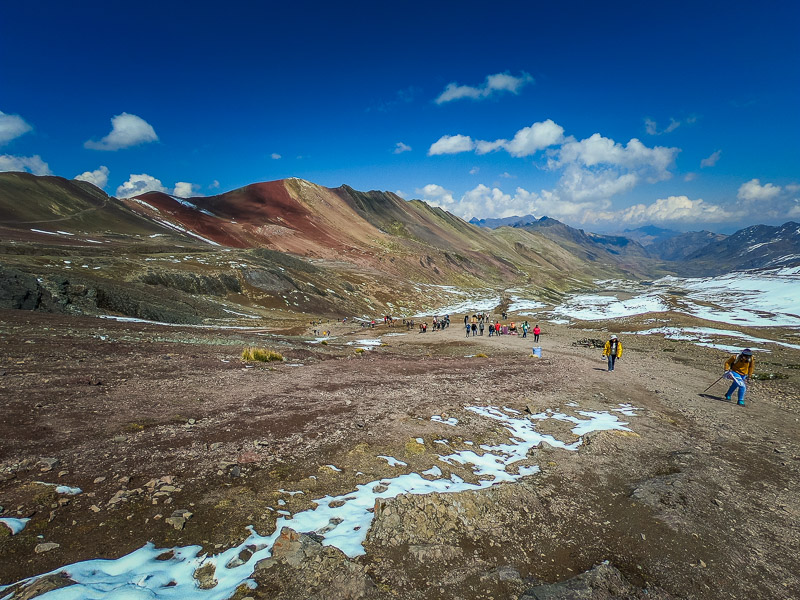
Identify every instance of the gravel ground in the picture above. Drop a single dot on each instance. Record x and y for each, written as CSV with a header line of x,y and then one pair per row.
x,y
698,501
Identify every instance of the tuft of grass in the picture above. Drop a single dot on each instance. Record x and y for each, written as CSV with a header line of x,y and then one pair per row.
x,y
359,351
324,342
481,355
253,354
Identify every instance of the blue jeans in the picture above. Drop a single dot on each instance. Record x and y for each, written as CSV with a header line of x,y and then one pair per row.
x,y
738,382
612,358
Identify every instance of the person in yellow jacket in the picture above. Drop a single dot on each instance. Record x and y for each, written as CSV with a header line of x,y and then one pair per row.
x,y
739,368
613,350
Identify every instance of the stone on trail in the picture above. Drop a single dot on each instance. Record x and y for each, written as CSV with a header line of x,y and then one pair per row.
x,y
602,582
46,547
42,585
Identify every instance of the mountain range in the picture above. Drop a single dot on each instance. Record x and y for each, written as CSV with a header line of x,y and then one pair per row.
x,y
292,247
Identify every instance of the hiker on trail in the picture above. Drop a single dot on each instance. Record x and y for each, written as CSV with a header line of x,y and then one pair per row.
x,y
739,369
491,329
474,329
536,332
613,350
466,319
468,326
481,327
525,329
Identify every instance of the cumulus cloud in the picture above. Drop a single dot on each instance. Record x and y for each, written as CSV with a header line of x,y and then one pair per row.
x,y
11,127
184,189
400,147
98,177
126,130
451,144
436,195
690,177
653,163
275,156
526,141
139,184
753,191
711,160
31,164
674,209
474,170
494,84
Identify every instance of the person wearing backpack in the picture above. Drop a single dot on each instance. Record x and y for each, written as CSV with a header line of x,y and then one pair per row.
x,y
739,368
613,350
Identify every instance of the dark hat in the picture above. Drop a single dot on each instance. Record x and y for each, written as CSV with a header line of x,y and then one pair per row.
x,y
747,352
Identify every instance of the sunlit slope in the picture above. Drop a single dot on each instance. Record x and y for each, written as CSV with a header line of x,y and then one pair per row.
x,y
54,203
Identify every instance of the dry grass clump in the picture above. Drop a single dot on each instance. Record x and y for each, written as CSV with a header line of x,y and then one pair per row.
x,y
253,354
359,351
481,355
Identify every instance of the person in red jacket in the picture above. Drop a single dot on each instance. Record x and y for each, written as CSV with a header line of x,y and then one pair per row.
x,y
536,332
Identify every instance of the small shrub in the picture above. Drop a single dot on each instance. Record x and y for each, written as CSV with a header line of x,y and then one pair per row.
x,y
260,355
324,342
360,351
481,355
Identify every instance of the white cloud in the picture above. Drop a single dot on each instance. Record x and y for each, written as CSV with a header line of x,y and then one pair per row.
x,y
483,201
98,177
11,127
674,209
214,185
690,177
402,194
139,184
596,150
711,160
275,156
652,127
184,189
484,147
579,184
436,195
400,147
538,136
126,130
494,84
31,164
451,144
753,190
474,171
507,175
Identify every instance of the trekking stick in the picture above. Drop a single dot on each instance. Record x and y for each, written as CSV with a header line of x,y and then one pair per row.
x,y
713,384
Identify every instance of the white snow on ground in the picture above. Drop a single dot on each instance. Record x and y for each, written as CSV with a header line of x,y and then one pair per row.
x,y
43,231
518,304
592,307
342,521
15,525
452,421
135,320
188,204
233,312
767,298
68,491
365,344
706,335
474,301
186,231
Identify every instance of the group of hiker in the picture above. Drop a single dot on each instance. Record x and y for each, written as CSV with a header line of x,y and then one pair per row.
x,y
476,325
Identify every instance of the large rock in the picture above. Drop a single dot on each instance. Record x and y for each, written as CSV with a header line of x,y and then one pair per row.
x,y
602,582
302,568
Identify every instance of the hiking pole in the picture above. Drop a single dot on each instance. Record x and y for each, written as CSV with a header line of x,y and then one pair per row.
x,y
713,384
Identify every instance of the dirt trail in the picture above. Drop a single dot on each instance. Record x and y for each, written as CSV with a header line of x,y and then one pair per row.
x,y
700,500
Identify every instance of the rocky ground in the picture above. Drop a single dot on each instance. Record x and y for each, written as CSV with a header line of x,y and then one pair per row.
x,y
172,439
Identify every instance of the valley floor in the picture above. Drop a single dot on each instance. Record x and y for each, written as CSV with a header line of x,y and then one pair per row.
x,y
697,498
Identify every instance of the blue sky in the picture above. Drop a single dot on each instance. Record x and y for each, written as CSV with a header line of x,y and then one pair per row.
x,y
605,115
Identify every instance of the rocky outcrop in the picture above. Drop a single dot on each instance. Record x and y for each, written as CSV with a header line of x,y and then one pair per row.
x,y
20,290
302,568
602,582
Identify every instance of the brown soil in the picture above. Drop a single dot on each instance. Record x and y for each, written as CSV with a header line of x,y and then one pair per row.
x,y
700,501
